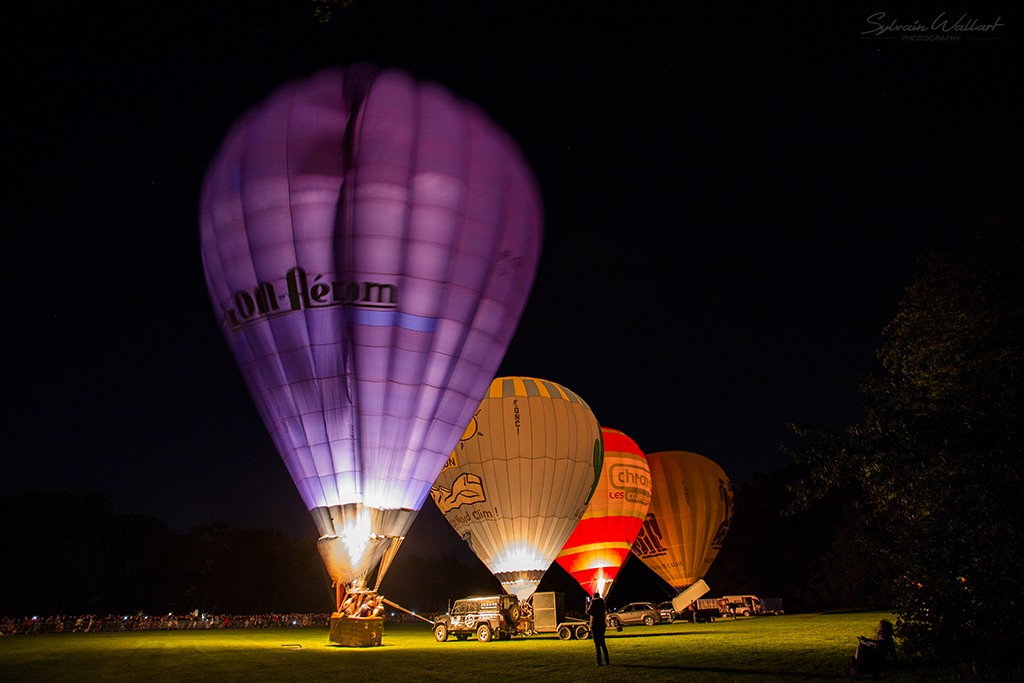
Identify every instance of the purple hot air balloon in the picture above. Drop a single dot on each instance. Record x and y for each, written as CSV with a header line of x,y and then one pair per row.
x,y
369,243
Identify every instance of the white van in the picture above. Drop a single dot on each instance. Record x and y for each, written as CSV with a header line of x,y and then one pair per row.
x,y
741,605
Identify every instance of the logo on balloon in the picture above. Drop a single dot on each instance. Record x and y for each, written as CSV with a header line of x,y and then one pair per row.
x,y
726,495
630,483
472,429
299,293
466,489
452,461
648,541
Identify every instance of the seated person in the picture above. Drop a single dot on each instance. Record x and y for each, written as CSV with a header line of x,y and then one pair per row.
x,y
873,653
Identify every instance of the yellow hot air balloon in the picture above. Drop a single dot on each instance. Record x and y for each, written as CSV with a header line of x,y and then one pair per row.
x,y
520,479
691,507
600,544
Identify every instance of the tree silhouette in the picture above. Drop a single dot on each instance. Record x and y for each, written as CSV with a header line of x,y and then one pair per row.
x,y
936,464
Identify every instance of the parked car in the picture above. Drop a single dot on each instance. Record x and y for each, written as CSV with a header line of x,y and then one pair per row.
x,y
634,613
667,612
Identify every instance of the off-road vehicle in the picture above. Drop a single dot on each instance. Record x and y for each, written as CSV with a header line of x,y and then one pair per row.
x,y
494,616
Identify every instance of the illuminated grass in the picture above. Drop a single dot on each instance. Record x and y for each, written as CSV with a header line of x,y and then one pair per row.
x,y
789,647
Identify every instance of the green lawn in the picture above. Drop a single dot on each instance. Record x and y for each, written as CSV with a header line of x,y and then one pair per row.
x,y
790,647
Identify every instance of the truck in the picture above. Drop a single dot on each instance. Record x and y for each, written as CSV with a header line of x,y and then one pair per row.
x,y
503,616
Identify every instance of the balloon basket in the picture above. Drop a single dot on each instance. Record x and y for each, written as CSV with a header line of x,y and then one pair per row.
x,y
356,631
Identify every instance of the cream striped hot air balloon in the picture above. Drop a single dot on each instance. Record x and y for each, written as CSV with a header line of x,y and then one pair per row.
x,y
517,484
691,507
601,541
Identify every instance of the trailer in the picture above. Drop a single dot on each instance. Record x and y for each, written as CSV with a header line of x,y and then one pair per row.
x,y
702,610
691,606
686,598
546,614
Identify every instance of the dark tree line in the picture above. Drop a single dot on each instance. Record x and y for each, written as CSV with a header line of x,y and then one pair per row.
x,y
71,554
935,470
806,558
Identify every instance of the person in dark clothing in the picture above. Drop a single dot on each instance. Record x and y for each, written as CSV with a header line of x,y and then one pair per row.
x,y
596,612
873,653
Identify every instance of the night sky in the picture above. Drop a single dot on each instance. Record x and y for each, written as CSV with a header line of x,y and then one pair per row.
x,y
734,199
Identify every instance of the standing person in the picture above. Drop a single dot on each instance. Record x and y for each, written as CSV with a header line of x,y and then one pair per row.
x,y
596,611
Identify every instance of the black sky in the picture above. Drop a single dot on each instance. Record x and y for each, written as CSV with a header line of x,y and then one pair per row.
x,y
733,197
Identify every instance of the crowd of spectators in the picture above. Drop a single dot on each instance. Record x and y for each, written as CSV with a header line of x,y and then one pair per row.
x,y
90,623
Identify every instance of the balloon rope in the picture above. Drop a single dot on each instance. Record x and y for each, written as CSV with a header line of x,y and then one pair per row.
x,y
339,595
397,606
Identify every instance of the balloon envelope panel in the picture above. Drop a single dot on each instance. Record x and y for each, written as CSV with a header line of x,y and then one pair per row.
x,y
369,243
601,541
691,508
518,482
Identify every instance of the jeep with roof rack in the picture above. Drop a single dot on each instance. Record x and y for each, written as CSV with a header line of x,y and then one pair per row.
x,y
503,616
493,616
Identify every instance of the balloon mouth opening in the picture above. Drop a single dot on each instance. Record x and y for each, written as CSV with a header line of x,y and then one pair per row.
x,y
355,533
350,559
354,539
521,583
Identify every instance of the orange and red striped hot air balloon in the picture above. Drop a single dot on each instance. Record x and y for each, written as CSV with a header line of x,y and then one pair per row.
x,y
601,541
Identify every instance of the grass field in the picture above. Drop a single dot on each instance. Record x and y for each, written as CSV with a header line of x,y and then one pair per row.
x,y
781,648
